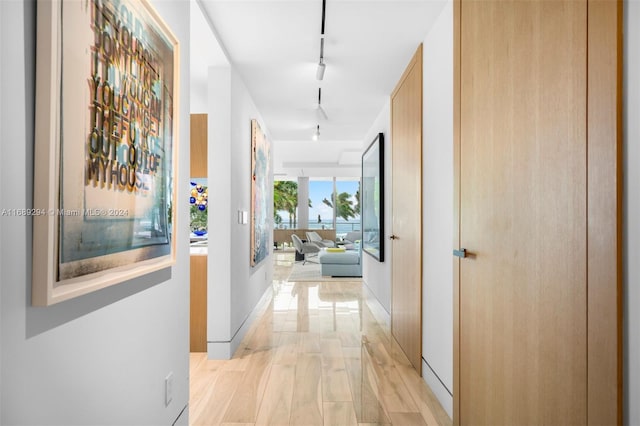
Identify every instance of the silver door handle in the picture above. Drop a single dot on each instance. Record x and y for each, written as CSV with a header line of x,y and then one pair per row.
x,y
460,253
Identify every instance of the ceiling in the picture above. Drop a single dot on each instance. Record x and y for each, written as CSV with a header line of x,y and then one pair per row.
x,y
275,47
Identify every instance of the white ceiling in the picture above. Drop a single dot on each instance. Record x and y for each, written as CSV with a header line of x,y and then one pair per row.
x,y
275,46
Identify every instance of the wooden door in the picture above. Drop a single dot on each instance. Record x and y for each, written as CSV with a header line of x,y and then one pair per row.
x,y
522,304
406,257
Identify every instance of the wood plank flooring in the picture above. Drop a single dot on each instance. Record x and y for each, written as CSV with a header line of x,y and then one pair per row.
x,y
316,356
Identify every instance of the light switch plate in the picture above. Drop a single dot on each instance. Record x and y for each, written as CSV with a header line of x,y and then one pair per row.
x,y
242,217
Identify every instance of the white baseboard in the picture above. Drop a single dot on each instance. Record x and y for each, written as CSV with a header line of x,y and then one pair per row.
x,y
219,350
225,350
377,309
438,389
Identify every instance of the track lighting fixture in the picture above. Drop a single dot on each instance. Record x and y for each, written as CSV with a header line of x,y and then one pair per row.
x,y
316,135
321,65
320,70
321,110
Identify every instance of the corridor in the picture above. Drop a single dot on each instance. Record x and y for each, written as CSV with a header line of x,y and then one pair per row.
x,y
318,354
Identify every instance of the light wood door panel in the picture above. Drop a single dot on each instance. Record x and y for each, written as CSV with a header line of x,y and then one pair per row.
x,y
604,213
523,292
198,305
406,146
199,148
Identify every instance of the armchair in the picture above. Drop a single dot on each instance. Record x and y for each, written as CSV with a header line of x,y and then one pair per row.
x,y
314,237
352,237
304,248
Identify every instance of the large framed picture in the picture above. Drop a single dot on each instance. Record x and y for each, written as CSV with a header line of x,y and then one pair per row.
x,y
372,199
260,187
105,151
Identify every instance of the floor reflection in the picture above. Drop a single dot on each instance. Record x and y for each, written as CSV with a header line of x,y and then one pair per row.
x,y
320,354
343,299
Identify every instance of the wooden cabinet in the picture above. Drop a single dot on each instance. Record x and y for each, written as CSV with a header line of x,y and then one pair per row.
x,y
198,145
198,311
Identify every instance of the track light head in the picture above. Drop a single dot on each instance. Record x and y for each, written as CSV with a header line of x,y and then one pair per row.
x,y
320,71
316,134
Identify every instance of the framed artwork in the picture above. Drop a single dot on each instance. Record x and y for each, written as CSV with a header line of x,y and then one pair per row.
x,y
372,199
105,150
260,224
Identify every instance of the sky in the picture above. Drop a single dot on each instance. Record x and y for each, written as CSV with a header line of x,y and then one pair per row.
x,y
318,190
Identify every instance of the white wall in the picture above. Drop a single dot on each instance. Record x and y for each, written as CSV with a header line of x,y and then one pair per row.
x,y
4,103
235,288
100,358
198,99
632,211
248,284
219,171
207,52
437,209
377,275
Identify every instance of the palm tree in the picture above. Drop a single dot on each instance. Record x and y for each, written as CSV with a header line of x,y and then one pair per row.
x,y
285,197
344,206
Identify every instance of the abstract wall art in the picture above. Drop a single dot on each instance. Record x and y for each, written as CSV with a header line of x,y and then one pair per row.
x,y
260,190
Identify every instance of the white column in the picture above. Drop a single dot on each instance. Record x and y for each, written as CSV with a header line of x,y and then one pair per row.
x,y
303,202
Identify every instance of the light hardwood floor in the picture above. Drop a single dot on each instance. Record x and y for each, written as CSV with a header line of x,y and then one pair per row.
x,y
317,355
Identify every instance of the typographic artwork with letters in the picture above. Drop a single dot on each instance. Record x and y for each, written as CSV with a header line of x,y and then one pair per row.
x,y
112,97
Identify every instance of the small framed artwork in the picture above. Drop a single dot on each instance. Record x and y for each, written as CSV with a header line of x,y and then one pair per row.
x,y
372,199
106,143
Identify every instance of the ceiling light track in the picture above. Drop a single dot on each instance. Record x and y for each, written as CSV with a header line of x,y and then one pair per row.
x,y
324,11
321,64
320,70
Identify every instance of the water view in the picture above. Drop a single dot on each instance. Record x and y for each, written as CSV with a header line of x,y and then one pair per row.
x,y
342,227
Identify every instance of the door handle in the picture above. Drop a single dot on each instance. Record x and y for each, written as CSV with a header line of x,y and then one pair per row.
x,y
393,237
460,253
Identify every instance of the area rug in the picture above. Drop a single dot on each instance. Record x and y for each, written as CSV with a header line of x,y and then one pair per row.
x,y
311,272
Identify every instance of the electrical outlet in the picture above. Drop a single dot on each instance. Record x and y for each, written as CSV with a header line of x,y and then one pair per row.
x,y
168,389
